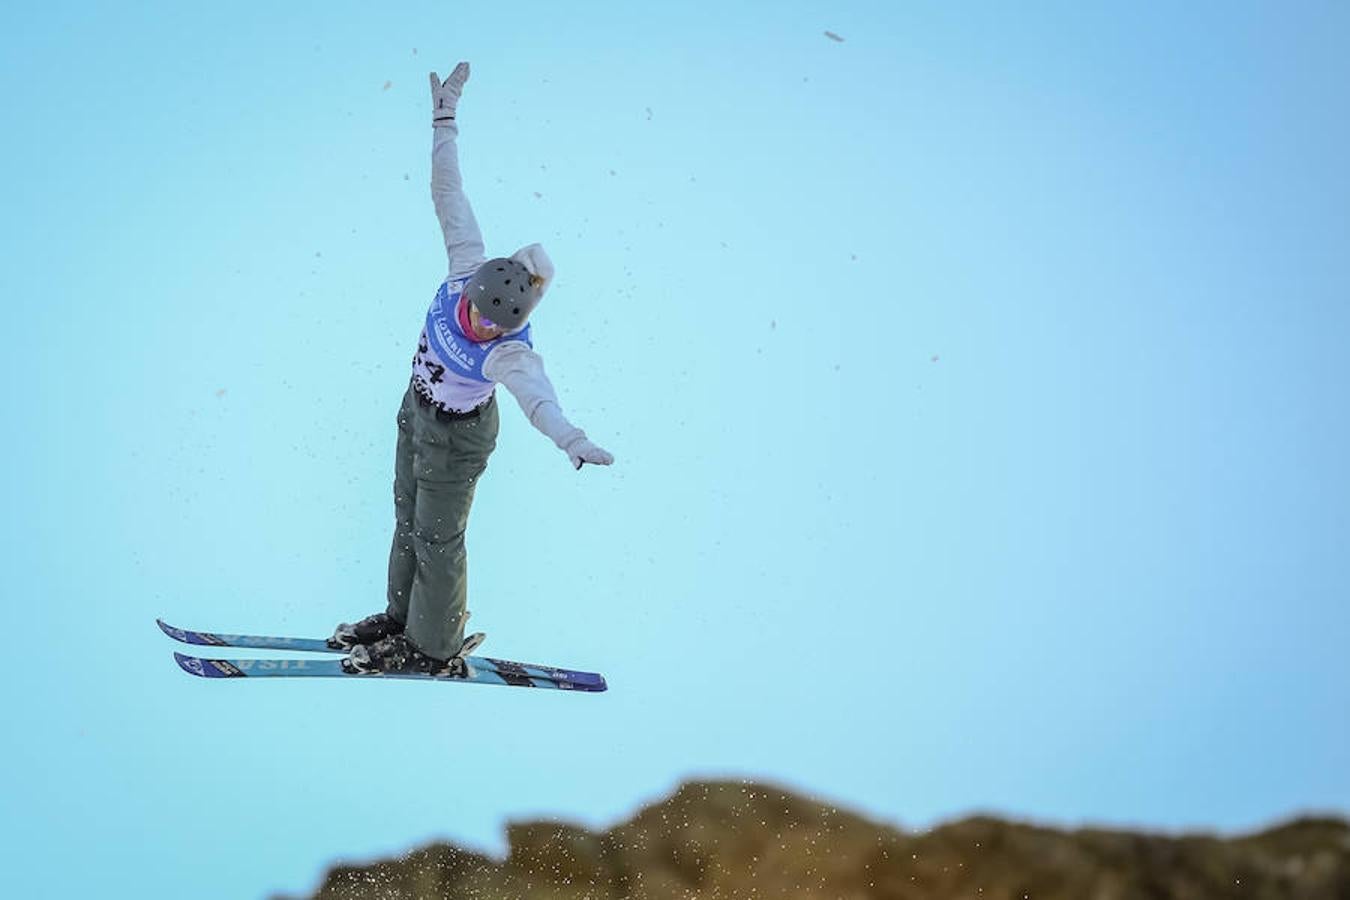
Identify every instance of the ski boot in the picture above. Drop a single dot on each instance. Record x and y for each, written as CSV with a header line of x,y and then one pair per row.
x,y
397,655
367,631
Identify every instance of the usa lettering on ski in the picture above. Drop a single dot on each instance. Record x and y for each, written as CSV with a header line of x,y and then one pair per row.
x,y
271,663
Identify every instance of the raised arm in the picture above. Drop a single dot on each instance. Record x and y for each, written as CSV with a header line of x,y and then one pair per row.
x,y
463,241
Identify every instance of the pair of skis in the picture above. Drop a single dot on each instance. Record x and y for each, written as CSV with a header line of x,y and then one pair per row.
x,y
480,669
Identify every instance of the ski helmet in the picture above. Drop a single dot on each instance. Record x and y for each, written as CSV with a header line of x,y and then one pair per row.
x,y
503,292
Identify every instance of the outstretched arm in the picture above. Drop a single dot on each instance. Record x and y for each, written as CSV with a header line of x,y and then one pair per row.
x,y
463,241
521,370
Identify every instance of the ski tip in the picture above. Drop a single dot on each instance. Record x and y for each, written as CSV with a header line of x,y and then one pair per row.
x,y
175,633
190,664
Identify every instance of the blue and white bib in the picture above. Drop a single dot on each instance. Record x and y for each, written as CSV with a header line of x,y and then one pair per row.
x,y
448,367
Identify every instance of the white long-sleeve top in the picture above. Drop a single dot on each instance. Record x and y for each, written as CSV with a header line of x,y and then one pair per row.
x,y
511,362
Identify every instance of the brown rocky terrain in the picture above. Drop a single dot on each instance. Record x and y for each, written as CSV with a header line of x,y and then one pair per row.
x,y
743,840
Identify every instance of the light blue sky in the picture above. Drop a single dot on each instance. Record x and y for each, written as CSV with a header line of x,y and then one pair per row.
x,y
977,386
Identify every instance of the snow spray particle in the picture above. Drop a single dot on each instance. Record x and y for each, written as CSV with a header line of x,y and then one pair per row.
x,y
834,37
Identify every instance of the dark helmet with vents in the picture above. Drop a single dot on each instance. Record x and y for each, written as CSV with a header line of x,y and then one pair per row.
x,y
504,292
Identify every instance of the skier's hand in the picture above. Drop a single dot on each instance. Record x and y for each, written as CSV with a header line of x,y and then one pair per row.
x,y
445,94
582,450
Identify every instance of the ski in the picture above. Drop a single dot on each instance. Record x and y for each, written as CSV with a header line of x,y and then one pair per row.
x,y
250,641
504,667
496,672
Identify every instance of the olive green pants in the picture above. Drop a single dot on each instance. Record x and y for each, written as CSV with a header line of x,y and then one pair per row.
x,y
436,469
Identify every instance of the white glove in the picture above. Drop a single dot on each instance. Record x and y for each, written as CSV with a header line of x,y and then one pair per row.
x,y
445,94
581,450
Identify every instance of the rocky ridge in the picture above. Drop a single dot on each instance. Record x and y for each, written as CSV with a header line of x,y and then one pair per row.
x,y
732,839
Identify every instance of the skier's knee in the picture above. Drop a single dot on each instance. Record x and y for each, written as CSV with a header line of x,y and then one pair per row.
x,y
436,538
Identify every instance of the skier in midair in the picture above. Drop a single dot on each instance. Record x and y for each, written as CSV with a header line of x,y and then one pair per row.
x,y
476,336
